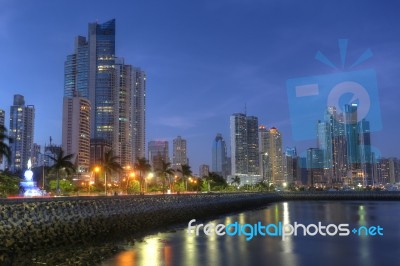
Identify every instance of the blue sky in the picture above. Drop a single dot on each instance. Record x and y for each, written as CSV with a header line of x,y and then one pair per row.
x,y
204,59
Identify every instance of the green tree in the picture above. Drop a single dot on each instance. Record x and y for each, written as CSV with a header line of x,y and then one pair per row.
x,y
62,163
9,184
65,185
186,173
165,172
143,167
4,148
217,182
235,180
133,187
109,164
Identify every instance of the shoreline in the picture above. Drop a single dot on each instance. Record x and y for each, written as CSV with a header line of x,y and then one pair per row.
x,y
31,225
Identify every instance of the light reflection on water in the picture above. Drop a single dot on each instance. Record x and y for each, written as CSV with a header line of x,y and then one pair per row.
x,y
179,248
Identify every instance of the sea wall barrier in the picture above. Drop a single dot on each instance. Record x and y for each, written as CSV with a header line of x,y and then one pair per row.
x,y
36,223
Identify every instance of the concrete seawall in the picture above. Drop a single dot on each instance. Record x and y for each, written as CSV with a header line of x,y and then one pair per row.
x,y
29,224
32,224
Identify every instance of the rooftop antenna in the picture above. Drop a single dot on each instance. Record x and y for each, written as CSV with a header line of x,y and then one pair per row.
x,y
50,140
245,109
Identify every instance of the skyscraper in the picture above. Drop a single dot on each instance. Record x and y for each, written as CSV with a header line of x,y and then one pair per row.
x,y
116,91
239,157
244,145
179,156
253,166
138,114
351,126
204,170
219,163
2,119
22,119
158,153
76,131
265,165
275,153
291,165
365,151
315,167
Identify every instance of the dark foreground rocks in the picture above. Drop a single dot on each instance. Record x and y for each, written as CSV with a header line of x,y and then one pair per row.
x,y
73,231
39,224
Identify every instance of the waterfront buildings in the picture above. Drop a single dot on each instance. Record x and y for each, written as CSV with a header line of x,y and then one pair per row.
x,y
76,131
21,130
158,152
219,158
179,153
244,148
115,91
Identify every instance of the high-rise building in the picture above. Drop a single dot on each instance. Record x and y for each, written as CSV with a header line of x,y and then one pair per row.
x,y
364,137
179,156
388,170
265,166
204,170
138,114
2,119
291,166
219,163
158,153
76,131
315,167
271,155
116,92
351,127
22,119
253,166
238,124
244,145
275,155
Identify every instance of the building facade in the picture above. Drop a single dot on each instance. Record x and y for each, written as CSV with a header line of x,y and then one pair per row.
x,y
179,152
115,90
22,120
244,145
76,131
204,170
2,120
158,153
219,163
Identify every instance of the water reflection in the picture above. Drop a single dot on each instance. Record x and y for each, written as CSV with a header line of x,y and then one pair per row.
x,y
179,248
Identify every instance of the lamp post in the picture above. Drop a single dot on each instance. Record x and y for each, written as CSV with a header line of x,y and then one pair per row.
x,y
97,171
149,176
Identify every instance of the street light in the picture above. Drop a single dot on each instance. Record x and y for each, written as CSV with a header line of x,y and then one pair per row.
x,y
149,176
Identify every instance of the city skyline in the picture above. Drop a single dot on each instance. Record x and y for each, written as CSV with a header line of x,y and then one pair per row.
x,y
196,82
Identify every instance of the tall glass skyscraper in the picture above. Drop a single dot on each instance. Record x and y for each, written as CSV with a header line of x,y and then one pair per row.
x,y
22,120
116,91
244,144
219,156
351,127
179,152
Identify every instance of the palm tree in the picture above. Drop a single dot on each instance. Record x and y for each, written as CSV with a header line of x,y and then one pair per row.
x,y
165,172
4,148
186,172
235,180
62,162
143,167
110,164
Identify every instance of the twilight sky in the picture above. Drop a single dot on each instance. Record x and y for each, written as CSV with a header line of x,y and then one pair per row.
x,y
204,60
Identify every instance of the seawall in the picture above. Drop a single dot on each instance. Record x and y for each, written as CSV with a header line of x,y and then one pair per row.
x,y
32,224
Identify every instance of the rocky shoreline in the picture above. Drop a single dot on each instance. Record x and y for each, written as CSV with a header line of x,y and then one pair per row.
x,y
32,226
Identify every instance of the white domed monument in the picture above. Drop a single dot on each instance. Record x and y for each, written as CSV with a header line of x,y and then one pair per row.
x,y
30,188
